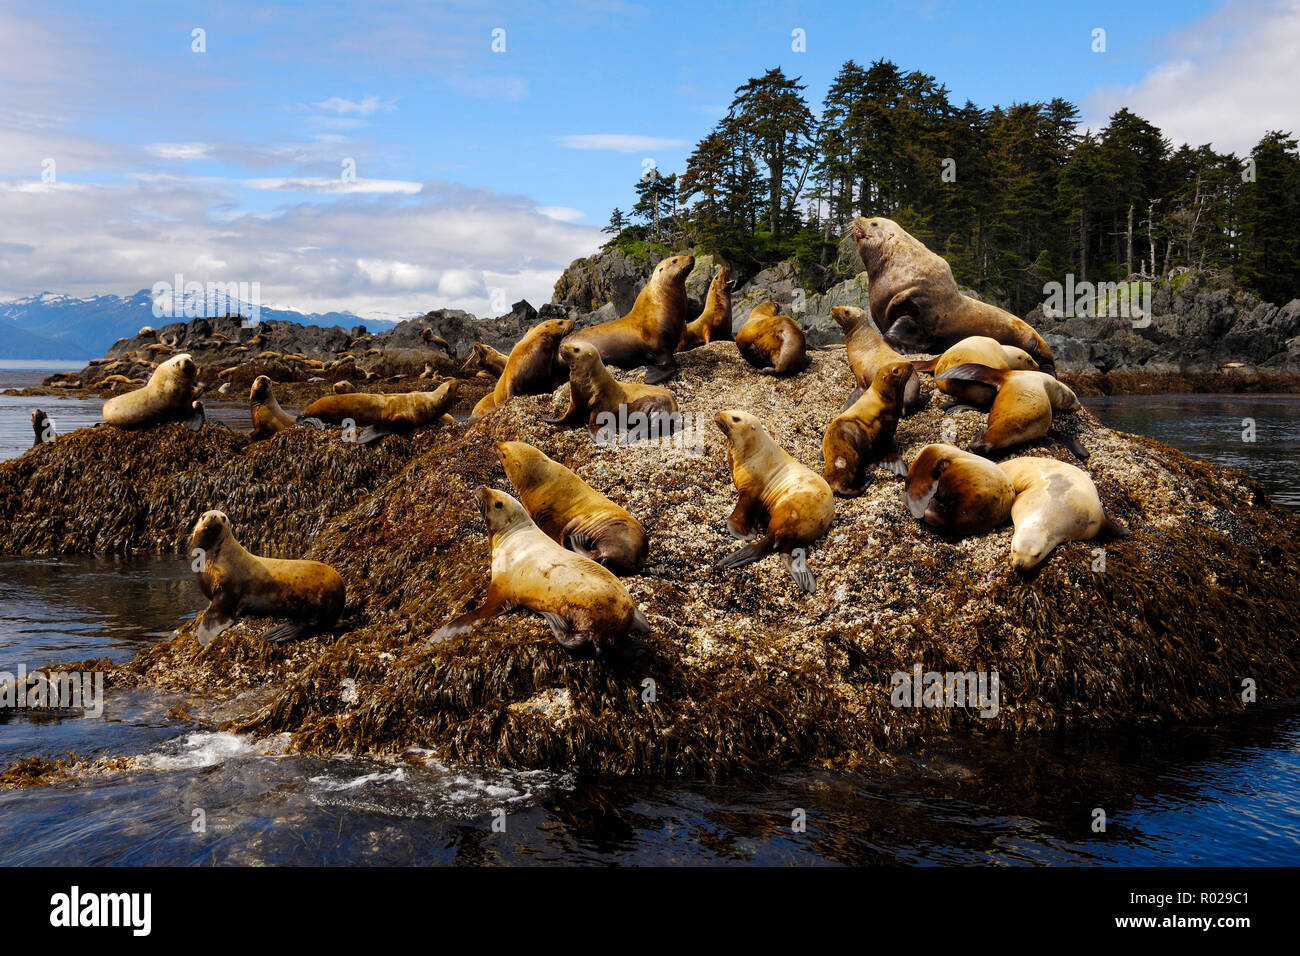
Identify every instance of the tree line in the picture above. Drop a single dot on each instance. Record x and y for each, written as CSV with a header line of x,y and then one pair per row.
x,y
1013,197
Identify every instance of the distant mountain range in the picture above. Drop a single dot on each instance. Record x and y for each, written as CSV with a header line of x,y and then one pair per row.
x,y
54,326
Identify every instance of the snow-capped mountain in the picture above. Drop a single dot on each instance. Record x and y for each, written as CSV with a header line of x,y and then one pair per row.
x,y
56,326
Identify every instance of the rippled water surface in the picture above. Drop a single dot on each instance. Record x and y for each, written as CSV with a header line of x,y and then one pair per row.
x,y
1200,795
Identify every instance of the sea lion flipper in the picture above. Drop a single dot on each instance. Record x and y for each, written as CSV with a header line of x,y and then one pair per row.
x,y
974,372
197,418
798,568
215,620
747,555
640,624
654,374
287,632
894,462
313,422
926,365
1072,443
853,397
1111,527
562,630
372,433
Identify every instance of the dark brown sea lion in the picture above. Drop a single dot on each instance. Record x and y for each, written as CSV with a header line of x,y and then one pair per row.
x,y
1023,408
792,503
573,513
915,301
381,414
268,417
239,584
1055,502
42,427
587,608
168,396
957,493
864,434
714,323
648,335
772,343
868,352
604,404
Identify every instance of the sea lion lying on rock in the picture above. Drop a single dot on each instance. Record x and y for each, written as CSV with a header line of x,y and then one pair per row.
x,y
1055,502
168,396
381,414
772,343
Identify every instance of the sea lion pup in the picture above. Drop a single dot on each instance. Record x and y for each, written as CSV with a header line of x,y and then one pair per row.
x,y
487,358
587,608
792,502
868,352
956,492
606,405
772,343
533,367
981,350
714,323
42,427
1055,502
1022,410
571,512
915,301
239,584
398,412
865,432
268,417
649,334
168,396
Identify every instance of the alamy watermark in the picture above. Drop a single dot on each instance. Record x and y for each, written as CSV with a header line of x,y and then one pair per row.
x,y
53,690
1129,300
974,689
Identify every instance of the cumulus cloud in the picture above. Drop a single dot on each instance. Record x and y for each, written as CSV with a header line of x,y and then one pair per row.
x,y
618,142
1227,79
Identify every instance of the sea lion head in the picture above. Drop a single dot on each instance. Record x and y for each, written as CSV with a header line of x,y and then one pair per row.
x,y
579,355
261,390
744,432
554,328
723,278
923,478
210,531
874,236
674,269
517,457
891,379
499,509
1031,543
850,317
1019,359
764,310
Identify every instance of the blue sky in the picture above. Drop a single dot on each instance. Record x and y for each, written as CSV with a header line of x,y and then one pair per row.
x,y
480,174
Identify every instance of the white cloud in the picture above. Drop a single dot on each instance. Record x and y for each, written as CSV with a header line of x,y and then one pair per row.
x,y
560,213
321,184
364,107
1227,79
178,150
618,142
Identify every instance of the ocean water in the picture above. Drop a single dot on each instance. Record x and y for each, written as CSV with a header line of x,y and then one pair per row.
x,y
1222,794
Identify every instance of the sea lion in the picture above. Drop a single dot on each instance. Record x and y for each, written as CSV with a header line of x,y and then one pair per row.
x,y
649,334
606,405
1022,410
957,492
533,367
791,502
168,396
587,608
342,387
573,513
915,301
865,432
868,352
268,417
397,412
981,350
1055,502
714,323
239,584
42,427
487,358
772,343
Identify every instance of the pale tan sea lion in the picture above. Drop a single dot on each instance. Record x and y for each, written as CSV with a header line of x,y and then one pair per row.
x,y
573,513
1023,409
649,334
915,301
533,367
980,350
587,608
772,343
168,396
268,417
381,414
714,323
956,492
792,503
607,406
1055,503
240,584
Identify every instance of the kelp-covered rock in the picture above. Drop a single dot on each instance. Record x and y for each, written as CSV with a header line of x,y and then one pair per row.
x,y
741,669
